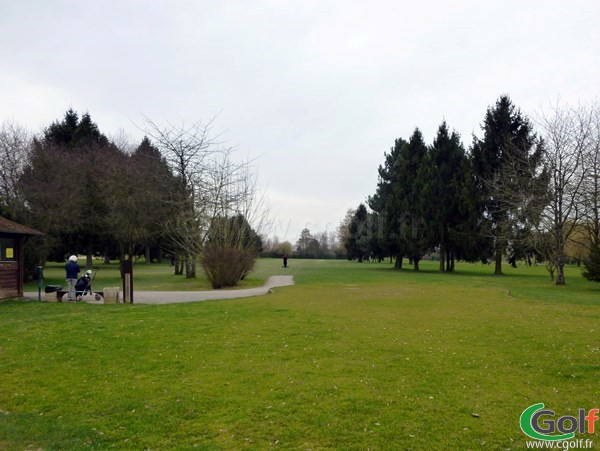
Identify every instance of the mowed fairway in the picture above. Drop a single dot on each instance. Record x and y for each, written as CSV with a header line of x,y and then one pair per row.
x,y
353,356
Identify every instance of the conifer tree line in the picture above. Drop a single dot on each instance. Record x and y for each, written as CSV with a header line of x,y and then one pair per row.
x,y
516,194
177,192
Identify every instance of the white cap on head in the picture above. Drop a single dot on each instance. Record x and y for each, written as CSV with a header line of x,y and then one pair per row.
x,y
73,258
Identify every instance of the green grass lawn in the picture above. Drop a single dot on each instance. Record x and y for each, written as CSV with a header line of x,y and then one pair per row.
x,y
353,356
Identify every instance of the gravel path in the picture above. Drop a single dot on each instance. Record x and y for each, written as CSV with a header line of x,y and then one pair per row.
x,y
172,297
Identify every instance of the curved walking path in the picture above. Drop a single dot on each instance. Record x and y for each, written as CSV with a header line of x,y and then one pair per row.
x,y
172,297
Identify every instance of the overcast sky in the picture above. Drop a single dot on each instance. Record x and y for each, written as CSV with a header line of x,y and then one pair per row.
x,y
316,90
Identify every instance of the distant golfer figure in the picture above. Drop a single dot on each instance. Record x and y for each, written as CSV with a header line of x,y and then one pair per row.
x,y
72,270
285,257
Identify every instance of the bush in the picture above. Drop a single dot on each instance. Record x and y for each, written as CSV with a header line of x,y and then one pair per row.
x,y
592,264
225,266
230,251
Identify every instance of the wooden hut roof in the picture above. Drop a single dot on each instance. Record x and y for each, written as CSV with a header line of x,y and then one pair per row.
x,y
8,226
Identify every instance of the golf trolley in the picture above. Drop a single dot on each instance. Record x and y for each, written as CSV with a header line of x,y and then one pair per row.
x,y
83,286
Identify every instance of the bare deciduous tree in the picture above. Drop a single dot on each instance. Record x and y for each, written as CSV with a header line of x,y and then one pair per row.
x,y
568,134
213,186
188,150
591,188
15,146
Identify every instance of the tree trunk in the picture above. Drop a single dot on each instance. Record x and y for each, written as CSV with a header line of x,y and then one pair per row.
x,y
89,259
449,262
190,267
560,255
442,257
148,257
398,264
550,269
498,270
560,275
178,267
416,263
560,270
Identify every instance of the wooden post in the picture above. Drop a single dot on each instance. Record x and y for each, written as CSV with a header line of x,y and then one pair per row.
x,y
128,281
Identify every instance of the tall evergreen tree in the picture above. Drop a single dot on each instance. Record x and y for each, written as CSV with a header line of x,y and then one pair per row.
x,y
506,164
375,241
304,242
592,264
63,184
399,200
357,245
388,203
412,181
448,208
73,132
138,194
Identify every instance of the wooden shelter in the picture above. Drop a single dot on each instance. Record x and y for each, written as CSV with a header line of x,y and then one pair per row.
x,y
12,244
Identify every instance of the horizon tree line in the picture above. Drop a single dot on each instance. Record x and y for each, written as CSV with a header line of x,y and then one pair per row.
x,y
513,195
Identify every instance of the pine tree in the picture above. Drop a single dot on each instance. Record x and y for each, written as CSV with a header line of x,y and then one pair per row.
x,y
412,181
390,205
592,264
357,244
505,164
64,183
75,133
448,211
138,192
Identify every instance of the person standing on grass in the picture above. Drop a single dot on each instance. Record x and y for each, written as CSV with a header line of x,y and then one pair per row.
x,y
285,257
73,269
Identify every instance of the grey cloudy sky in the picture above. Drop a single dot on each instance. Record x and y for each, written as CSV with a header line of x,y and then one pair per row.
x,y
316,90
